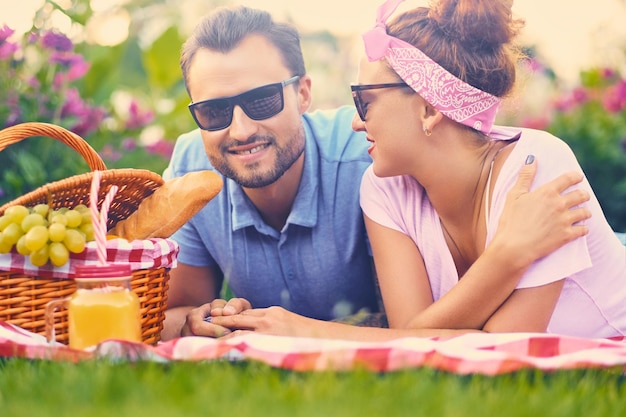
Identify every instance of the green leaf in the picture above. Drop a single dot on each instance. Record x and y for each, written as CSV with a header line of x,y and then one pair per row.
x,y
163,70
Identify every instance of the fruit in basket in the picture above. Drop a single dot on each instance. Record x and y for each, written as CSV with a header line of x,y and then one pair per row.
x,y
44,234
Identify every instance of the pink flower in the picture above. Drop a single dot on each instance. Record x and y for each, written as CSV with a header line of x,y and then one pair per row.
x,y
608,73
5,33
614,99
538,122
579,95
163,148
569,101
7,49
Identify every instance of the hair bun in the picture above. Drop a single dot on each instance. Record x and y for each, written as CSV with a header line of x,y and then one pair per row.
x,y
476,23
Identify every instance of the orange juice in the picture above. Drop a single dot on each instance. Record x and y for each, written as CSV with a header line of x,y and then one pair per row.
x,y
98,314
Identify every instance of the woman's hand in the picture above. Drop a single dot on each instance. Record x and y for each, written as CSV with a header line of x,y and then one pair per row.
x,y
534,224
199,321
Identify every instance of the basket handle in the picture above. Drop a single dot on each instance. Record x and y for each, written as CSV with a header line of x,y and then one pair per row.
x,y
17,133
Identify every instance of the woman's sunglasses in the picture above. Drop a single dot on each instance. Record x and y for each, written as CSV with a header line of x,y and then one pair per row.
x,y
259,103
361,107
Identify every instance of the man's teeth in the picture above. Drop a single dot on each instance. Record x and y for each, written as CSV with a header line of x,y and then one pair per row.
x,y
251,151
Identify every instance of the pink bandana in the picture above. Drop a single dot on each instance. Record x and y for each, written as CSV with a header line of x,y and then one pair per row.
x,y
453,97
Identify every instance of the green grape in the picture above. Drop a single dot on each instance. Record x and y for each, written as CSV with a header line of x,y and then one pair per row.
x,y
74,241
56,232
58,217
4,246
21,246
36,238
17,213
33,219
82,208
40,256
74,218
86,217
12,233
87,229
41,209
59,254
4,222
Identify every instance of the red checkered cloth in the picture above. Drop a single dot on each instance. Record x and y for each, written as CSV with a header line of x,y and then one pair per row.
x,y
140,254
476,353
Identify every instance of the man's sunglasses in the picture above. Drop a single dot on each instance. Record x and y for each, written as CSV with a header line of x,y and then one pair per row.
x,y
361,108
259,103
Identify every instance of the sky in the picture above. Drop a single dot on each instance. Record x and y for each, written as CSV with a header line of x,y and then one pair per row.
x,y
571,34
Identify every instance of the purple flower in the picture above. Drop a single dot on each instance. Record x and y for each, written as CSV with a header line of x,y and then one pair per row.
x,y
90,121
74,105
33,37
623,144
89,117
129,144
138,118
109,154
56,42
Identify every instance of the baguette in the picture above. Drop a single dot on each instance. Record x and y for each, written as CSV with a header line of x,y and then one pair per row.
x,y
170,206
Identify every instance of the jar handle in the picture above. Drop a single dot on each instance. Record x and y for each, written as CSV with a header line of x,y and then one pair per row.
x,y
51,308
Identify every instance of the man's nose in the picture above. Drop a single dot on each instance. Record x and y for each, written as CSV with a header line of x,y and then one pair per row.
x,y
242,126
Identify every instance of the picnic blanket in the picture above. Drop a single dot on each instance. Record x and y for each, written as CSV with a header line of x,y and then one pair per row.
x,y
476,353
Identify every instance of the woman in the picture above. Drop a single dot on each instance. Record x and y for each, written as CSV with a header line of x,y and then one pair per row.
x,y
457,247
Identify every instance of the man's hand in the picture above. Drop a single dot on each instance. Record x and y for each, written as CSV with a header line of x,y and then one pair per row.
x,y
199,320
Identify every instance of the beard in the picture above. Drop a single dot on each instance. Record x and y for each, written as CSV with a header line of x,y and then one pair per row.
x,y
253,176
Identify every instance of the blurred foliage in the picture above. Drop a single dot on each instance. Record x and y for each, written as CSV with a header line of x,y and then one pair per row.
x,y
591,117
129,102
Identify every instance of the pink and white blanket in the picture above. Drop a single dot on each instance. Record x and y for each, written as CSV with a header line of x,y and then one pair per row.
x,y
488,354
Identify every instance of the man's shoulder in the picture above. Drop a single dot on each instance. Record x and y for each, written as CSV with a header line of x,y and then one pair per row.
x,y
332,131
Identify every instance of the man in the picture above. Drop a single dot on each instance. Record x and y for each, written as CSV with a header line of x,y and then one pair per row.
x,y
287,228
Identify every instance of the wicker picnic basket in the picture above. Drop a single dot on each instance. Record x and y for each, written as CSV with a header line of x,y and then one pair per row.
x,y
23,298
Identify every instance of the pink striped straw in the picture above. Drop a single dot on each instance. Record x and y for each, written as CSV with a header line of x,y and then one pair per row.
x,y
99,219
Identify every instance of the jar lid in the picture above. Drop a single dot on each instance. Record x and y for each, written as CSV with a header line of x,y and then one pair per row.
x,y
103,271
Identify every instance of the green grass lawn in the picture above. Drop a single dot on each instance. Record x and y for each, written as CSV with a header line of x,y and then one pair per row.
x,y
225,389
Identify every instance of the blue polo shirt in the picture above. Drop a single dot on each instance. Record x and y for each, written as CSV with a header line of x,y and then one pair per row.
x,y
319,264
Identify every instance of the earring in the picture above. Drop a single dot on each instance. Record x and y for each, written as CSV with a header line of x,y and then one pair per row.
x,y
427,132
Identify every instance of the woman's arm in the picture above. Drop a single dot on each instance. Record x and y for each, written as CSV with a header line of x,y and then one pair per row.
x,y
533,224
526,310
